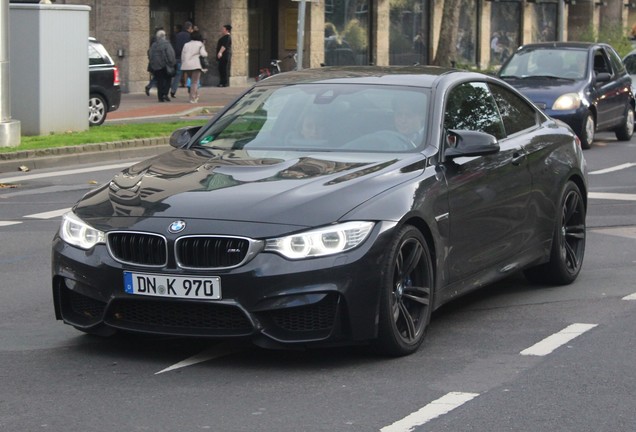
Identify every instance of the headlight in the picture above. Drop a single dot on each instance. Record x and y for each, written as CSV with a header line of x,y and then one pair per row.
x,y
568,101
322,241
76,232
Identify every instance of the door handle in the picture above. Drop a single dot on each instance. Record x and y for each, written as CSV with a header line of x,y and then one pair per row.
x,y
517,158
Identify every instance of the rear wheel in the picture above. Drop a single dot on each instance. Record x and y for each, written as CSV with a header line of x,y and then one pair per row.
x,y
407,292
568,244
96,110
587,132
626,130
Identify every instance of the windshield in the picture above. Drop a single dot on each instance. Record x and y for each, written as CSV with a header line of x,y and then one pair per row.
x,y
319,117
556,63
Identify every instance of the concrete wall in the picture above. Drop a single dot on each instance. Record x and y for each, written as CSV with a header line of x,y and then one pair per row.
x,y
49,67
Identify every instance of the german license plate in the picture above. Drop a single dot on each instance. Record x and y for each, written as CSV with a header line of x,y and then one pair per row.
x,y
159,285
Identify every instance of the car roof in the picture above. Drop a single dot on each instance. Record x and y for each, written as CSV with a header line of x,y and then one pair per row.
x,y
563,45
417,76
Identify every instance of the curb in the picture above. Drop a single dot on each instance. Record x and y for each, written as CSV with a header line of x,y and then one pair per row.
x,y
82,154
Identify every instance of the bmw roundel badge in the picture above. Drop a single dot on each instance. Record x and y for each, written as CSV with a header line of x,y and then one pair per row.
x,y
177,226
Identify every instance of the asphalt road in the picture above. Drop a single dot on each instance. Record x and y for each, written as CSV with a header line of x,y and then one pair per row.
x,y
479,370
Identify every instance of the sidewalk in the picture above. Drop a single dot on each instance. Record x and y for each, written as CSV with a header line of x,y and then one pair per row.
x,y
138,106
133,107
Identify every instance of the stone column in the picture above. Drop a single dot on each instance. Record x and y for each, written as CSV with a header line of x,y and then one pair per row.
x,y
485,34
315,33
9,129
380,34
211,16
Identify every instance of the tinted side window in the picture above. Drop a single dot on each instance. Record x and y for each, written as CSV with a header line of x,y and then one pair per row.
x,y
516,113
600,63
470,106
94,57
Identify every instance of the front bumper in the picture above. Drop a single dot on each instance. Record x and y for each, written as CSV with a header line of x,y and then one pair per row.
x,y
330,299
573,118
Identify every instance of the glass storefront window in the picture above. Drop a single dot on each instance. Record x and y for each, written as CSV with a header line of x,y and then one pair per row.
x,y
504,21
408,35
346,32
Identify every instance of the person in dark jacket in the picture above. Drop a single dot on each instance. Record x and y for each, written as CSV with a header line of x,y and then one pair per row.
x,y
180,39
224,55
162,63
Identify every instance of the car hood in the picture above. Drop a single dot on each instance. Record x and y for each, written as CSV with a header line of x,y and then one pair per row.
x,y
545,90
290,188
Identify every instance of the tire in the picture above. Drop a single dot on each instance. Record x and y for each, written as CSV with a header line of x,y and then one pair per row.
x,y
587,132
97,110
407,294
568,243
625,132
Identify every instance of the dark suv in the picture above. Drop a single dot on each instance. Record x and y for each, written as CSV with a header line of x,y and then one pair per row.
x,y
105,91
583,84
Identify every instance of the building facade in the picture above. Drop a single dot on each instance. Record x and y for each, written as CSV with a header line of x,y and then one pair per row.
x,y
344,32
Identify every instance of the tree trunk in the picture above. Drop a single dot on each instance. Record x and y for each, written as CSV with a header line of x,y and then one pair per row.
x,y
447,44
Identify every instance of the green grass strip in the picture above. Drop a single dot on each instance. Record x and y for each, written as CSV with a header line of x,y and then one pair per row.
x,y
101,134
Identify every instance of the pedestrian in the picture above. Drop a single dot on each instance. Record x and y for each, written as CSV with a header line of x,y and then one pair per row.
x,y
180,39
224,55
162,63
153,81
191,63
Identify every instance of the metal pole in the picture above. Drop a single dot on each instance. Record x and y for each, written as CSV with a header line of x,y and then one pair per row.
x,y
9,129
300,43
561,19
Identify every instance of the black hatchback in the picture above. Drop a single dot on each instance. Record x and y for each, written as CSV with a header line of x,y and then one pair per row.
x,y
105,90
583,84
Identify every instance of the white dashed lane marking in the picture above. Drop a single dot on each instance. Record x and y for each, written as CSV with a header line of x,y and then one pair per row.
x,y
45,215
8,223
549,344
438,407
612,196
630,297
26,177
49,214
613,169
626,232
218,351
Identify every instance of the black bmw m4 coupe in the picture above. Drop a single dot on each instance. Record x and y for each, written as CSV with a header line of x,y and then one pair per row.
x,y
328,206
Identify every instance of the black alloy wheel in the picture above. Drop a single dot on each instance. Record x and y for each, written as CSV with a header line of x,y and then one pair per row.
x,y
568,244
406,299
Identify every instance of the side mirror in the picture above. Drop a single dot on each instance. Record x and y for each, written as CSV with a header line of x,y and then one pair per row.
x,y
603,77
460,143
181,137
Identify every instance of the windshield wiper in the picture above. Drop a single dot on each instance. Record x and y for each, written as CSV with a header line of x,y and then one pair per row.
x,y
526,77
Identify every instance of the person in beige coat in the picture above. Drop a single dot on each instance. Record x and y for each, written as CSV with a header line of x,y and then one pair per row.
x,y
191,64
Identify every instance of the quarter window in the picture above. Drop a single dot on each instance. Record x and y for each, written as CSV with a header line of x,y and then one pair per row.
x,y
516,113
471,106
